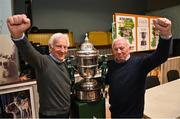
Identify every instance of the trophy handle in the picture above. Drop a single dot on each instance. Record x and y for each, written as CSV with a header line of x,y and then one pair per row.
x,y
104,69
71,71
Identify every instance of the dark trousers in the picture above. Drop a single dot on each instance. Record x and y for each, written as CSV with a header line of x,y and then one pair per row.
x,y
65,116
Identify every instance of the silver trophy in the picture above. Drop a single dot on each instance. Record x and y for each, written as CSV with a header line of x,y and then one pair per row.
x,y
88,89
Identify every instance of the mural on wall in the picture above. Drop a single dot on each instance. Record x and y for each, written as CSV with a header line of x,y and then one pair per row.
x,y
8,61
8,58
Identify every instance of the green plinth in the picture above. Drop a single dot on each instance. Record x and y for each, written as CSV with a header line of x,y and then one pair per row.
x,y
88,110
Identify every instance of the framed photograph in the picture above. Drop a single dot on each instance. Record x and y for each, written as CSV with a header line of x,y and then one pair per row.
x,y
142,33
17,102
125,26
154,35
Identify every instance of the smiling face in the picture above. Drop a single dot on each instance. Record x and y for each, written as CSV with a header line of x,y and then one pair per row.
x,y
120,49
59,47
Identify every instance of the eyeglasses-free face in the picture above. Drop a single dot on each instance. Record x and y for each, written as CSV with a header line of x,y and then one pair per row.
x,y
60,49
120,50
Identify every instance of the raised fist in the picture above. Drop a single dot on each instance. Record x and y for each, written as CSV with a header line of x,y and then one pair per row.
x,y
163,25
17,25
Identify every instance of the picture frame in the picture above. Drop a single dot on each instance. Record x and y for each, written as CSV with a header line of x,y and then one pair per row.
x,y
142,33
139,30
125,26
17,101
154,35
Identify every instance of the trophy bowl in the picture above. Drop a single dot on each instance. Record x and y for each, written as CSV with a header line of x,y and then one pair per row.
x,y
87,64
88,91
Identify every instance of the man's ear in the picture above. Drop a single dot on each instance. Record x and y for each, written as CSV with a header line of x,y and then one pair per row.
x,y
50,49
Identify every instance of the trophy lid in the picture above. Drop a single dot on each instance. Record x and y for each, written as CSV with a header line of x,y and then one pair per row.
x,y
87,49
87,46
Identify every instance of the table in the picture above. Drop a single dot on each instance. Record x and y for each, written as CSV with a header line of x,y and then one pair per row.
x,y
163,101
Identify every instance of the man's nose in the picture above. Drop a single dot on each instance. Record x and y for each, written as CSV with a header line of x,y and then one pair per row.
x,y
119,51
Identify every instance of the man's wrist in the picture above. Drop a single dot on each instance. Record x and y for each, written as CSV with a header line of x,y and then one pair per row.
x,y
166,37
20,38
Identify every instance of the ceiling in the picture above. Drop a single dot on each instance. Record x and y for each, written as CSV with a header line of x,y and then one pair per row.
x,y
153,5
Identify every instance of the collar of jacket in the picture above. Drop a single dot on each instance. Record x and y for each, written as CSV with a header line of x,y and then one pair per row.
x,y
55,59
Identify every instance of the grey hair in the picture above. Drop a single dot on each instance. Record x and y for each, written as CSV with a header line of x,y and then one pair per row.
x,y
58,36
120,38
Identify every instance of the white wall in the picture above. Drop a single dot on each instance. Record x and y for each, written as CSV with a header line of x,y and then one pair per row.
x,y
5,11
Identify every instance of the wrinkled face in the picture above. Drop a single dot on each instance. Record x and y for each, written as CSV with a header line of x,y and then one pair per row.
x,y
59,49
120,50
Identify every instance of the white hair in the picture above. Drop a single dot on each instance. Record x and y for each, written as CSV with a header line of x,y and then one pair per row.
x,y
120,38
58,36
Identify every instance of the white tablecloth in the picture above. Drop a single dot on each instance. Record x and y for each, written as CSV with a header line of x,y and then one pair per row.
x,y
163,101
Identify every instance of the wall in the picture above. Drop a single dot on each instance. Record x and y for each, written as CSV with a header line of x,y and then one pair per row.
x,y
79,16
173,15
82,16
5,11
153,5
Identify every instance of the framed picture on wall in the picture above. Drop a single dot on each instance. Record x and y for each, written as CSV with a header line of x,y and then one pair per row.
x,y
142,33
125,26
17,102
154,35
